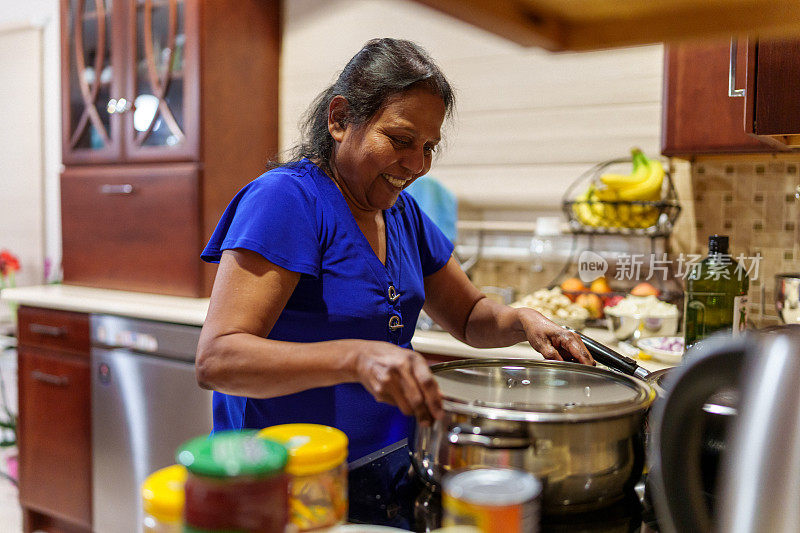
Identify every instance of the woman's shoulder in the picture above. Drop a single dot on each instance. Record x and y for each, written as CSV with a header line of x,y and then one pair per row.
x,y
296,175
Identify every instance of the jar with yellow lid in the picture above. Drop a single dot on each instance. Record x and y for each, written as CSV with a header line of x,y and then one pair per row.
x,y
317,473
162,500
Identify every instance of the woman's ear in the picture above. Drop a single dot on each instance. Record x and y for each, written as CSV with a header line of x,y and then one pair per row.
x,y
337,117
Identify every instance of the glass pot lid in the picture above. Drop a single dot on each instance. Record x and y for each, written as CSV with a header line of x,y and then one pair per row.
x,y
539,390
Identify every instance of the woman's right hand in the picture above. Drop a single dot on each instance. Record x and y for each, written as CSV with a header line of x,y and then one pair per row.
x,y
399,377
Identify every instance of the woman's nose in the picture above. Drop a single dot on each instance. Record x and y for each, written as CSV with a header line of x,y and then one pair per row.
x,y
414,161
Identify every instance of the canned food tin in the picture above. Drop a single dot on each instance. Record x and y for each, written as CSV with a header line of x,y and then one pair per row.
x,y
495,500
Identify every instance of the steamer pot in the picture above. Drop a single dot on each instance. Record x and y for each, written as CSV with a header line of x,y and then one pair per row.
x,y
579,429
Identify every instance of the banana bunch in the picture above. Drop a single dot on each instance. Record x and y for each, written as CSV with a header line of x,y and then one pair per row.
x,y
614,202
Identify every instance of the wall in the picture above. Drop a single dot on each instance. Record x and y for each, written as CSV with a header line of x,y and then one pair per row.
x,y
30,150
755,201
528,122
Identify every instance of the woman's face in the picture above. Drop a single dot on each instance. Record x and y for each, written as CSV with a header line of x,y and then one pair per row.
x,y
373,162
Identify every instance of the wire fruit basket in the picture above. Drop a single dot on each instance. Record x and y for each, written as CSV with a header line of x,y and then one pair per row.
x,y
589,211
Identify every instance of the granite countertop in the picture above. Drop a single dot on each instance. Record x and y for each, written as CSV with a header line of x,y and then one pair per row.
x,y
192,311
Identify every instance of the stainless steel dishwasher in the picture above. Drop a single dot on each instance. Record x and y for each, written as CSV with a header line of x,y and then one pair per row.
x,y
145,403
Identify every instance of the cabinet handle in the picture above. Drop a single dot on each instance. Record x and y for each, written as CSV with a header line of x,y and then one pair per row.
x,y
733,92
109,188
50,331
51,379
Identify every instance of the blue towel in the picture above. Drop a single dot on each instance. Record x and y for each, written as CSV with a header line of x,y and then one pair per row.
x,y
438,203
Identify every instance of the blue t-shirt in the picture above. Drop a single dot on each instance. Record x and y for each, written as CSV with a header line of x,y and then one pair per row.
x,y
297,218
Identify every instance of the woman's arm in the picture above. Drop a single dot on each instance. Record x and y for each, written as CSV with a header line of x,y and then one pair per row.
x,y
233,356
461,309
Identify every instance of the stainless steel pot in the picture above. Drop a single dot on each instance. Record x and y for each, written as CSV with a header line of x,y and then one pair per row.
x,y
579,429
759,469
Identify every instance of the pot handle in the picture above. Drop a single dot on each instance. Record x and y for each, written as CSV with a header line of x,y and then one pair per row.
x,y
612,359
677,422
465,435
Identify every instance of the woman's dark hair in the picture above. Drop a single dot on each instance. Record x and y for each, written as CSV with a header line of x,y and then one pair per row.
x,y
381,69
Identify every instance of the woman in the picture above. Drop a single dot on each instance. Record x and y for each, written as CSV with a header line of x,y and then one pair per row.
x,y
325,264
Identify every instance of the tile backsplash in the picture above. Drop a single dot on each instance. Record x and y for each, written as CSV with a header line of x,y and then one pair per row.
x,y
755,200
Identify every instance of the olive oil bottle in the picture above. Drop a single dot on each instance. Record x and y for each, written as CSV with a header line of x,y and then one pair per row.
x,y
716,294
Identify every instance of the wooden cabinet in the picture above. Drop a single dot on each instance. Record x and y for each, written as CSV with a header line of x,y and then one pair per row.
x,y
130,77
773,89
54,420
700,117
117,215
150,86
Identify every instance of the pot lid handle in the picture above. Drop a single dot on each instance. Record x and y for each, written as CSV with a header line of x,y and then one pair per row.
x,y
612,359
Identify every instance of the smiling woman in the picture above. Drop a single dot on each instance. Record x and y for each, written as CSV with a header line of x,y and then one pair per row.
x,y
326,262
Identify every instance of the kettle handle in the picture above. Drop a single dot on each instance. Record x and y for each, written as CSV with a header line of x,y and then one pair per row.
x,y
677,425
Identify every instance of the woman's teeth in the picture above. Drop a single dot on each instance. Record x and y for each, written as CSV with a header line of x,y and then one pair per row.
x,y
396,182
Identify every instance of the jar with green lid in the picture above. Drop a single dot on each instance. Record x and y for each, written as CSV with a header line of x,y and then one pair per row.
x,y
317,471
236,483
162,500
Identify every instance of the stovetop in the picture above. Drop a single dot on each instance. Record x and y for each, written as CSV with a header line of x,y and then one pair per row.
x,y
384,490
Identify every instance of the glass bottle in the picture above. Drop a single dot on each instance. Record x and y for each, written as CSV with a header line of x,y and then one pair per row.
x,y
542,247
715,298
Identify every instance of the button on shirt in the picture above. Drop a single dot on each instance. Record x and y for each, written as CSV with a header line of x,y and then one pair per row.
x,y
297,218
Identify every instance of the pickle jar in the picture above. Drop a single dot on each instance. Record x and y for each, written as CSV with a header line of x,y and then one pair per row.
x,y
162,500
317,471
236,482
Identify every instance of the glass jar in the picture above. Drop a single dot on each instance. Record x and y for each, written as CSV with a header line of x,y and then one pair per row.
x,y
318,473
162,500
236,482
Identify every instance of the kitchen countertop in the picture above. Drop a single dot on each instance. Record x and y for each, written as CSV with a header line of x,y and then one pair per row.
x,y
441,343
177,309
192,311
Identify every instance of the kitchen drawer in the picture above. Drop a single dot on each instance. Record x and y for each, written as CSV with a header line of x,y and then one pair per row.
x,y
55,435
52,328
133,227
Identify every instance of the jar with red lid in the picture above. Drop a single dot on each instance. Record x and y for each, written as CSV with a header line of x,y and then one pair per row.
x,y
236,483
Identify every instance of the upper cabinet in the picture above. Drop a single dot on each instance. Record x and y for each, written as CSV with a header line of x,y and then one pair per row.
x,y
773,92
576,25
169,108
719,101
130,74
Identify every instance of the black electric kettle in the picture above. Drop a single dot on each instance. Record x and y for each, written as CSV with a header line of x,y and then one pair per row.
x,y
759,475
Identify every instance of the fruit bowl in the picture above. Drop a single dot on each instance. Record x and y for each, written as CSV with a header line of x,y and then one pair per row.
x,y
592,206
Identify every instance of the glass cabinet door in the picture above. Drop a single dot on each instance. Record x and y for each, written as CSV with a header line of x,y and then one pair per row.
x,y
163,81
91,100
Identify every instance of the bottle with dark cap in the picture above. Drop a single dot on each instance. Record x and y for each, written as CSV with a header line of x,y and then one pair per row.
x,y
716,294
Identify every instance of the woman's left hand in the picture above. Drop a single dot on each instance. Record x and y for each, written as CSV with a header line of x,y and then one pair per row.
x,y
551,340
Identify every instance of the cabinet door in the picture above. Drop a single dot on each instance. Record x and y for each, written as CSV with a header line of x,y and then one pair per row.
x,y
774,102
54,434
163,80
132,227
91,81
699,116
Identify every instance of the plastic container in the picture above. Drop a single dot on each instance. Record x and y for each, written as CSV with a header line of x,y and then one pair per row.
x,y
162,500
236,482
318,473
